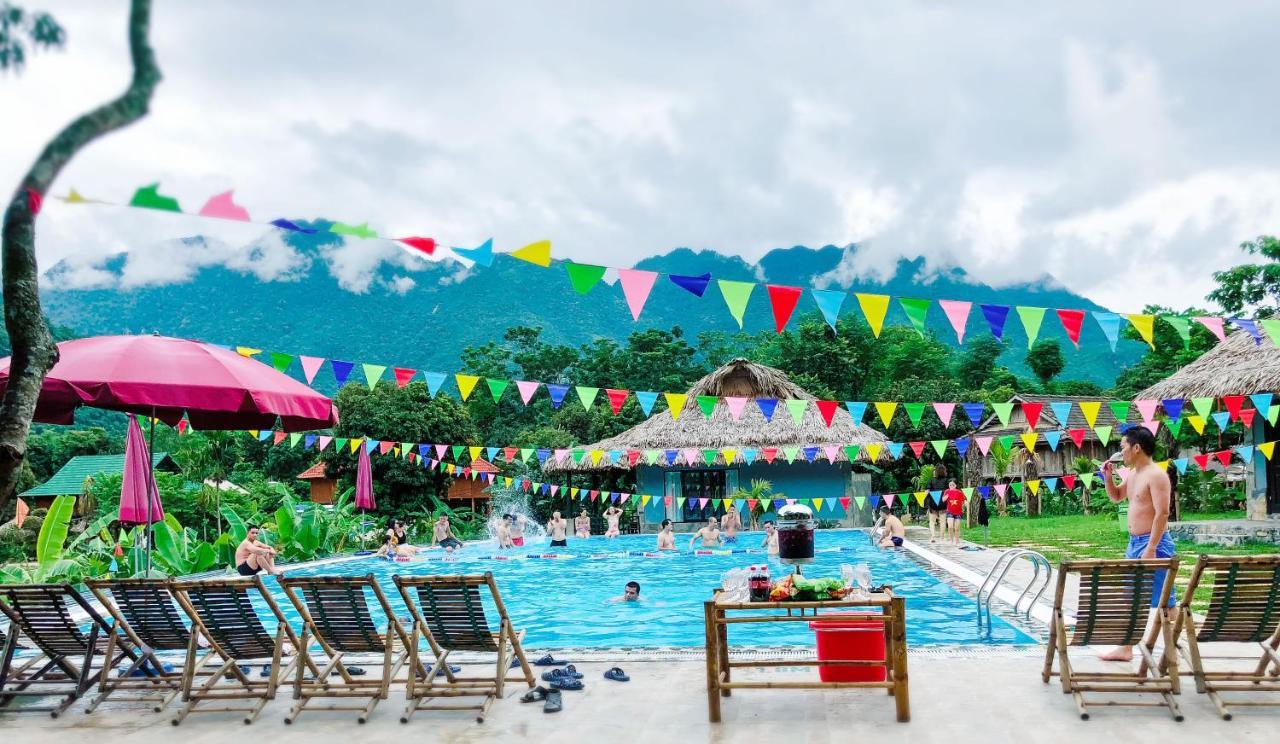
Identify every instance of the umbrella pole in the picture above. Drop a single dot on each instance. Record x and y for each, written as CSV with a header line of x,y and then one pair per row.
x,y
151,482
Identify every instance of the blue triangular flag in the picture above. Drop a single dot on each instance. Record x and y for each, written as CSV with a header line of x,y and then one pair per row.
x,y
895,449
492,453
670,456
857,409
1173,407
546,489
1181,465
996,315
829,302
1250,327
424,448
543,454
694,284
984,491
284,224
1061,412
1110,325
1262,402
434,381
767,407
779,503
975,412
370,445
1222,419
962,446
750,455
1246,453
810,453
1052,438
308,440
557,393
646,400
341,370
936,496
874,500
265,435
482,255
1052,483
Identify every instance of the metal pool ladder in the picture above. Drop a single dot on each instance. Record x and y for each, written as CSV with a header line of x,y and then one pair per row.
x,y
995,577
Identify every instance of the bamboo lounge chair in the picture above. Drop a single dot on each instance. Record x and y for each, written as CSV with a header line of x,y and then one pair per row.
x,y
144,611
41,613
1115,609
1244,608
223,614
335,614
447,611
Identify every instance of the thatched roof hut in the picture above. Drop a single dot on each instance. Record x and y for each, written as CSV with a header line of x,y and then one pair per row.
x,y
738,378
1237,366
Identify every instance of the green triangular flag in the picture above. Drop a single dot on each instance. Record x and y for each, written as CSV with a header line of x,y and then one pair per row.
x,y
1273,414
917,311
797,408
294,438
583,277
578,455
360,231
709,456
457,450
914,412
496,387
1031,319
708,404
526,453
1017,488
939,446
373,372
1103,432
340,443
281,361
1174,426
151,198
790,453
1120,409
736,295
1006,442
651,456
1087,479
851,452
1182,326
968,492
587,395
1003,411
680,502
1203,406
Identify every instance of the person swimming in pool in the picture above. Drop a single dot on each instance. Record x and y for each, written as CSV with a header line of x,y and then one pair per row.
x,y
518,523
710,535
612,515
666,537
582,525
770,537
556,530
504,533
894,532
442,535
630,593
732,523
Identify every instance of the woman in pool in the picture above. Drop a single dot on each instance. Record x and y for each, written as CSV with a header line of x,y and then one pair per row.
x,y
396,540
666,538
582,525
612,515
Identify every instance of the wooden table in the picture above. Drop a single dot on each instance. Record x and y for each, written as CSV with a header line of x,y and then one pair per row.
x,y
887,609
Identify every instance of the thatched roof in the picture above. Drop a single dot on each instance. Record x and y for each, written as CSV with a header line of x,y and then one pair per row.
x,y
738,378
1237,366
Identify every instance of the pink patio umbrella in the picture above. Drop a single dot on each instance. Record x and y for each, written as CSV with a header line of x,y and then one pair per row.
x,y
138,483
168,378
364,482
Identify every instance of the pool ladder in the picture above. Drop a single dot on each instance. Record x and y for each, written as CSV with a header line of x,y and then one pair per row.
x,y
995,577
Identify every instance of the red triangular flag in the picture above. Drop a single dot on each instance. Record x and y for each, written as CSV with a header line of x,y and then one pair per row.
x,y
1077,436
403,375
279,437
510,453
426,245
844,502
385,447
918,448
1224,457
751,504
1202,461
1032,412
1233,402
595,495
827,408
1246,417
633,456
1069,481
769,453
783,300
616,399
1072,320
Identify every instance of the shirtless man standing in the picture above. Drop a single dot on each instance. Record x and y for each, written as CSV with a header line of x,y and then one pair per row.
x,y
1148,490
612,515
253,556
582,525
894,531
504,533
556,529
666,538
732,523
710,535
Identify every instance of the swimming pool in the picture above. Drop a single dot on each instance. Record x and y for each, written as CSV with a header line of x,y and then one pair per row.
x,y
564,602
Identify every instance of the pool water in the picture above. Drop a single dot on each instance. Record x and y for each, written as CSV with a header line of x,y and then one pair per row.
x,y
564,602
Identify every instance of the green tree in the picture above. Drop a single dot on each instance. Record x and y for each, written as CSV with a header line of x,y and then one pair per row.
x,y
1170,354
34,352
978,361
1045,360
1252,288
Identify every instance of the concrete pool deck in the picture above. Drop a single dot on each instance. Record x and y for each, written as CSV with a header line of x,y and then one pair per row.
x,y
991,700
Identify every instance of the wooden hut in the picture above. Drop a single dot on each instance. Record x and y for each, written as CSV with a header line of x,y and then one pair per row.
x,y
1048,461
472,491
323,487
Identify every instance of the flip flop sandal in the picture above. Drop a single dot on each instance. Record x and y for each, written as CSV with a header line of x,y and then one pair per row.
x,y
356,671
536,695
566,683
549,661
555,674
452,668
265,671
571,671
617,675
554,703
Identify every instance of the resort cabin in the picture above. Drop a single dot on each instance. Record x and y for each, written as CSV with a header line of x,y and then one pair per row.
x,y
750,434
323,488
472,489
1048,462
1238,366
70,478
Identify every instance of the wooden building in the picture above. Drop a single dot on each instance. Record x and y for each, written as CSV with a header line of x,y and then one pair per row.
x,y
323,488
473,491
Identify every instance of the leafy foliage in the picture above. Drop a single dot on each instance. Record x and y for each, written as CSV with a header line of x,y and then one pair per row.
x,y
1252,288
19,27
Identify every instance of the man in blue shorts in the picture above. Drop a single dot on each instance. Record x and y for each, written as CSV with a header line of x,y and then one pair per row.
x,y
1149,491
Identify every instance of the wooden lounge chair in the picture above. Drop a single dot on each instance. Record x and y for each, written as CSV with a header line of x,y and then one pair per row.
x,y
41,613
1115,609
335,614
448,613
224,615
1244,608
143,611
18,666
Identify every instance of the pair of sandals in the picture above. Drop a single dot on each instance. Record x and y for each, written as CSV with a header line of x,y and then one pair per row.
x,y
551,700
564,679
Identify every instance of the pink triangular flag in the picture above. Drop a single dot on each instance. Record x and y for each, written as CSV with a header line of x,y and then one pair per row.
x,y
830,450
527,389
562,455
1147,408
735,406
1001,488
1214,325
958,313
888,498
440,450
554,490
324,442
692,456
1152,426
310,366
984,444
636,285
222,207
944,411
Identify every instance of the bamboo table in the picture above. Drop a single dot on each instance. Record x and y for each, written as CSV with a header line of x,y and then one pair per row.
x,y
891,613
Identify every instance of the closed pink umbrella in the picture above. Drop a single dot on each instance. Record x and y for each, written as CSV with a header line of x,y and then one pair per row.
x,y
364,481
138,483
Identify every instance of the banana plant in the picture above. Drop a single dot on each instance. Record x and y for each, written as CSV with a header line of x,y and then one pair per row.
x,y
179,552
52,563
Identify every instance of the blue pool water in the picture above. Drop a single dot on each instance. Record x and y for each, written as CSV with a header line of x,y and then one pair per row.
x,y
564,602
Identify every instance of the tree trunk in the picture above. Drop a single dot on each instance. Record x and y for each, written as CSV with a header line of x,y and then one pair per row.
x,y
34,352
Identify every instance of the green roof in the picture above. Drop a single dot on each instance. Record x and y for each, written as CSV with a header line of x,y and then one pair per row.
x,y
70,479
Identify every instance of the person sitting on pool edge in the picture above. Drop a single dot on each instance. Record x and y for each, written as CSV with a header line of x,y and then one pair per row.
x,y
612,515
442,535
253,557
630,593
556,530
396,541
582,525
710,535
732,523
504,533
894,531
770,537
666,538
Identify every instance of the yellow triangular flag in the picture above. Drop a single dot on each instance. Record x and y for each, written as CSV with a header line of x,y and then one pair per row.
x,y
920,497
729,454
1164,464
254,433
245,351
466,383
644,500
508,480
1197,423
75,198
1266,448
475,452
355,444
1090,410
818,503
873,451
395,451
1034,485
675,403
886,411
1145,326
538,254
1029,441
874,307
595,456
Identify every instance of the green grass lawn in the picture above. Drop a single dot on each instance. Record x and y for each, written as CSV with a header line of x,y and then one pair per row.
x,y
1079,536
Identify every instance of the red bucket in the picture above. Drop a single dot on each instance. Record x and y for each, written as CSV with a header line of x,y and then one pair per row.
x,y
850,640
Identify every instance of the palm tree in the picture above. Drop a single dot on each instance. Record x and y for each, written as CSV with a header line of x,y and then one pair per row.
x,y
1082,466
1001,459
762,492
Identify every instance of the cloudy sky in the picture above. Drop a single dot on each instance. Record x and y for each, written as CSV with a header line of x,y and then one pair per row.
x,y
1123,148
